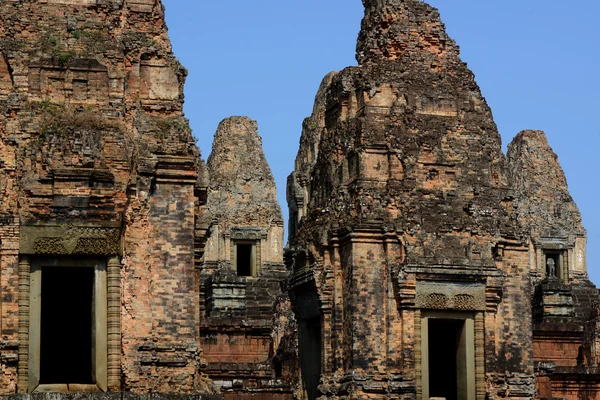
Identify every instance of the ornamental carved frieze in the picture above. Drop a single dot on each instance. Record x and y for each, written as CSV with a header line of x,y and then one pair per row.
x,y
247,233
460,296
70,239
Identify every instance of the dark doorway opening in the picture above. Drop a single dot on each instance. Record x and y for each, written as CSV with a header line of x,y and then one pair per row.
x,y
446,361
244,259
66,325
278,368
310,354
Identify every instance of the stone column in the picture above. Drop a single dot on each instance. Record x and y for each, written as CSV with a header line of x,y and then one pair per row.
x,y
258,257
114,324
418,352
480,355
23,373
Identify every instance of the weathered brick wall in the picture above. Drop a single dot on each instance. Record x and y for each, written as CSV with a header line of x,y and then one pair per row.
x,y
94,138
160,347
509,342
9,287
564,302
401,184
238,326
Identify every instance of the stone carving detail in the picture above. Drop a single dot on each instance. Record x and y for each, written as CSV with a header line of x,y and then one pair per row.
x,y
551,268
66,240
244,233
450,296
436,300
464,302
49,245
94,246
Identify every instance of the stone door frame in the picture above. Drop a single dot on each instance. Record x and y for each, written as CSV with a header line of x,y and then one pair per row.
x,y
107,341
474,336
99,329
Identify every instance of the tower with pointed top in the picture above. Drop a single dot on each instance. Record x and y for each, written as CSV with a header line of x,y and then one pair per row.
x,y
411,276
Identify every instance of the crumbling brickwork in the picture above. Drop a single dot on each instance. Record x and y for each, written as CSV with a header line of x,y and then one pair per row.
x,y
242,272
99,162
405,215
565,301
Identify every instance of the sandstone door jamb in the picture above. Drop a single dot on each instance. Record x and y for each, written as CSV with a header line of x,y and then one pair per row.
x,y
114,324
23,366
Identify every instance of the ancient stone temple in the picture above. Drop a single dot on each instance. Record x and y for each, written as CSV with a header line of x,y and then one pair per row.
x,y
243,268
565,302
107,210
422,262
101,187
426,264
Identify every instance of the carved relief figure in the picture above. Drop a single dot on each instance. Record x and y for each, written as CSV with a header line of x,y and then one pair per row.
x,y
551,268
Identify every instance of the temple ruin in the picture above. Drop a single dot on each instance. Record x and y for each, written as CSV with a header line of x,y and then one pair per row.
x,y
421,262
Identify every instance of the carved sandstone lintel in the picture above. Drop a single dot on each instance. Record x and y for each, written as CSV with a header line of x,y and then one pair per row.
x,y
69,239
450,296
247,233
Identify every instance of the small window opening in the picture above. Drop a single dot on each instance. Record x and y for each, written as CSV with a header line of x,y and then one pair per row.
x,y
244,259
66,325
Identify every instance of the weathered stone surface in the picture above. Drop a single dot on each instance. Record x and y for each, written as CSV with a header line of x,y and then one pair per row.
x,y
565,301
408,225
97,160
241,186
393,29
402,202
545,207
239,290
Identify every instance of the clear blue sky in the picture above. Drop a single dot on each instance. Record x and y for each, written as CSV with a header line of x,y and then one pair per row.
x,y
536,61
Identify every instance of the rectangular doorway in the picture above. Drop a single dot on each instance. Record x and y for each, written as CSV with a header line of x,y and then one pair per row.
x,y
244,259
445,358
66,325
310,344
68,346
448,356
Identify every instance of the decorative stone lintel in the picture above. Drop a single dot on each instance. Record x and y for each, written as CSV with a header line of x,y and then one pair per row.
x,y
455,296
247,233
69,239
555,243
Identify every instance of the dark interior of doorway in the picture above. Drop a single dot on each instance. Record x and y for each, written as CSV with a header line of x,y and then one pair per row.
x,y
310,354
444,341
66,325
244,259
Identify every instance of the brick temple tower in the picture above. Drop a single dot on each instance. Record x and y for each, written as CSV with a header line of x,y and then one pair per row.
x,y
242,271
422,262
101,185
426,264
